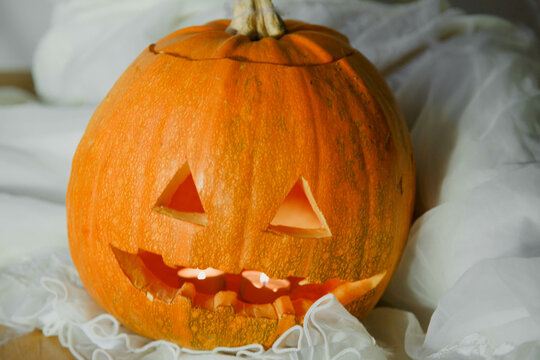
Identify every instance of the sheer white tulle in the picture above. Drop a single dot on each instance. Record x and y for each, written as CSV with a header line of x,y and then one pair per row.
x,y
55,301
468,285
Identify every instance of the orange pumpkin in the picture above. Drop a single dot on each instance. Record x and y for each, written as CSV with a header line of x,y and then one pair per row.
x,y
287,155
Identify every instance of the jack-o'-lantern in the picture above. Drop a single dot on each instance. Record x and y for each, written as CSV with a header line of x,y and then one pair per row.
x,y
261,148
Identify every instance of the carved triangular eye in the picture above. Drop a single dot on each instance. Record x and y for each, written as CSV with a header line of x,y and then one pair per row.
x,y
181,199
299,214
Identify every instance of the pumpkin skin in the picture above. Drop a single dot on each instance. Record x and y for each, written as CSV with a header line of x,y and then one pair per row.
x,y
250,118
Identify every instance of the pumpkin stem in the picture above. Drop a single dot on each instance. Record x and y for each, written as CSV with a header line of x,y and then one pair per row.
x,y
256,19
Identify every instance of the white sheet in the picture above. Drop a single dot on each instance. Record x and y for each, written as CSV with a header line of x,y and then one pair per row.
x,y
469,87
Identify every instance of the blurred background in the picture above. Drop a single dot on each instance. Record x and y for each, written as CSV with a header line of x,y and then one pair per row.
x,y
23,22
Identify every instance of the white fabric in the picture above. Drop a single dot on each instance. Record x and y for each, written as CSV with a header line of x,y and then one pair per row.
x,y
475,127
37,143
20,31
90,43
469,88
57,303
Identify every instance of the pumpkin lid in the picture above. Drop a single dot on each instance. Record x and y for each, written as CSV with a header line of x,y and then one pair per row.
x,y
303,44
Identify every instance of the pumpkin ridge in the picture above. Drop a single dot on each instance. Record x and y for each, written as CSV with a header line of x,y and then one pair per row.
x,y
106,143
152,49
306,83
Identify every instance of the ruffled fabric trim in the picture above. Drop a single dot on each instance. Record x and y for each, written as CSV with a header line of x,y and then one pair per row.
x,y
46,293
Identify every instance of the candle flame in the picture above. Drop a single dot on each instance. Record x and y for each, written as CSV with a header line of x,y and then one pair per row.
x,y
264,279
201,275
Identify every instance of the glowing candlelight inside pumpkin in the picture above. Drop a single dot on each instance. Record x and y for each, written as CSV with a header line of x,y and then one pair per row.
x,y
257,288
208,281
264,279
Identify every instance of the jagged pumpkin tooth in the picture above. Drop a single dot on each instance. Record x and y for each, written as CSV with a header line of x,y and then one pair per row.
x,y
284,306
301,306
204,301
225,298
257,310
351,291
287,316
187,290
285,322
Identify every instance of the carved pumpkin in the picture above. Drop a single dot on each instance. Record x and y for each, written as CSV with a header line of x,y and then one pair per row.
x,y
285,155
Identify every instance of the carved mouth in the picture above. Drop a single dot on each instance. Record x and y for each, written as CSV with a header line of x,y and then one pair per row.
x,y
148,273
